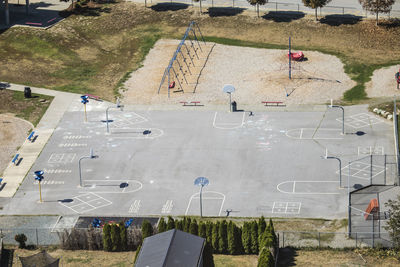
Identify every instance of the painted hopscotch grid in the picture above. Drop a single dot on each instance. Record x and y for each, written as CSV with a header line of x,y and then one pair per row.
x,y
126,120
135,206
167,207
87,202
286,207
371,150
61,158
362,170
360,120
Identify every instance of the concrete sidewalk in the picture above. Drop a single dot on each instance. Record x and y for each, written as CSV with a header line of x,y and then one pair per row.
x,y
62,102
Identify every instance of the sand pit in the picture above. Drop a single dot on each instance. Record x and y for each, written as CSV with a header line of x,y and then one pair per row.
x,y
13,132
257,74
383,83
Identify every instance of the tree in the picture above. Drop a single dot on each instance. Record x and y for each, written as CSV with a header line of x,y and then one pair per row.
x,y
209,226
215,237
124,237
223,237
393,224
254,237
186,224
194,228
246,238
170,223
162,225
265,259
201,11
21,239
234,241
202,230
115,238
261,227
315,4
147,229
179,225
377,6
208,259
107,244
257,3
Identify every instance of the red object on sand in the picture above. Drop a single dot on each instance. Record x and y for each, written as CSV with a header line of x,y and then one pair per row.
x,y
297,56
172,84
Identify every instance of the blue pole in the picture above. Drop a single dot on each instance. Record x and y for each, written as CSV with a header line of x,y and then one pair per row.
x,y
290,59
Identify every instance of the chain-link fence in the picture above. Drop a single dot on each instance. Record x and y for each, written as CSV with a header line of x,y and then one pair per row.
x,y
332,239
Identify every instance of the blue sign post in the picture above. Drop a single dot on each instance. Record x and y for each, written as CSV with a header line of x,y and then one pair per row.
x,y
39,177
84,101
201,181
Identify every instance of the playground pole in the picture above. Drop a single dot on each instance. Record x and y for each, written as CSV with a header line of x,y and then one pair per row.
x,y
290,60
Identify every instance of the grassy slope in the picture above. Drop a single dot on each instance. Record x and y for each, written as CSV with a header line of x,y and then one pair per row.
x,y
28,109
96,53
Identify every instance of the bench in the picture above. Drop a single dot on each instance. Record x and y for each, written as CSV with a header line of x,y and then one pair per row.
x,y
31,136
15,159
270,103
93,97
1,180
191,104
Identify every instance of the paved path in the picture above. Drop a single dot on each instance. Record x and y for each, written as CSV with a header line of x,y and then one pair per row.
x,y
62,102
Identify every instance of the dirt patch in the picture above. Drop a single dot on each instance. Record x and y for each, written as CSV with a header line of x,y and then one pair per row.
x,y
13,132
257,74
383,83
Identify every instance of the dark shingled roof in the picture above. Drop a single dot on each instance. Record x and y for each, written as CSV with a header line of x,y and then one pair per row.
x,y
171,248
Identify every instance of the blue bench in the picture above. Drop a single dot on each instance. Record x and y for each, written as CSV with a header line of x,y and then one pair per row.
x,y
15,159
31,136
1,180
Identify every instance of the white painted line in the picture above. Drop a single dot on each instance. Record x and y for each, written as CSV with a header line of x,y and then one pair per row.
x,y
301,133
205,197
235,125
292,191
123,191
167,207
294,187
155,133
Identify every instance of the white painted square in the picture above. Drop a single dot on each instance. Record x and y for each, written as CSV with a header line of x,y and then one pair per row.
x,y
286,207
360,120
86,202
61,158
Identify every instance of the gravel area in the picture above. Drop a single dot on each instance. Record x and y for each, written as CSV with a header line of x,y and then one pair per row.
x,y
383,82
257,74
13,132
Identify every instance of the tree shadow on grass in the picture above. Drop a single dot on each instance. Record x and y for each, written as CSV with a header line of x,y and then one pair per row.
x,y
224,11
337,20
160,7
91,9
390,23
287,257
283,16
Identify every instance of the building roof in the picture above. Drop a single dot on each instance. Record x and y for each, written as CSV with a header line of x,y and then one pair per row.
x,y
170,248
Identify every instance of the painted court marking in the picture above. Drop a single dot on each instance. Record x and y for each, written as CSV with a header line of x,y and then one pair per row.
x,y
167,207
135,206
371,150
74,137
56,171
133,186
137,133
219,196
227,125
286,207
126,120
360,120
61,158
362,170
49,182
72,145
313,134
86,202
308,187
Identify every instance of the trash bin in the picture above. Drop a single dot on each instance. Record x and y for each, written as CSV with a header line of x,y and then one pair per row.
x,y
27,92
234,106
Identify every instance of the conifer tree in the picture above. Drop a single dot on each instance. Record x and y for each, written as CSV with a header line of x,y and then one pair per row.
x,y
162,226
223,237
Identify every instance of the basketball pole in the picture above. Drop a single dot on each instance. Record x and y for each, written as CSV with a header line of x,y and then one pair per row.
x,y
290,59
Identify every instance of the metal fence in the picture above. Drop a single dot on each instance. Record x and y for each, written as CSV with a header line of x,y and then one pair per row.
x,y
333,239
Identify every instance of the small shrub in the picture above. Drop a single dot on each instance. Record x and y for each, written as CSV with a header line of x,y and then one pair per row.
x,y
265,259
115,238
194,228
147,229
170,223
21,239
123,237
162,226
107,244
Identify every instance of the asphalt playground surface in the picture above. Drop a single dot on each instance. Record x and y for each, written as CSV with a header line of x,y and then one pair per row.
x,y
268,164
